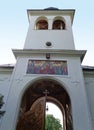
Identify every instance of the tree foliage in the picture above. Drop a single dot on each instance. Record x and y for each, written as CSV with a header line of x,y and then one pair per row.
x,y
52,123
1,104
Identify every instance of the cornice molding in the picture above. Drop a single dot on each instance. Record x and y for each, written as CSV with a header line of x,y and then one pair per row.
x,y
29,52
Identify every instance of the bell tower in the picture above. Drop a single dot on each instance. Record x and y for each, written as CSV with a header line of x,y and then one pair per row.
x,y
50,28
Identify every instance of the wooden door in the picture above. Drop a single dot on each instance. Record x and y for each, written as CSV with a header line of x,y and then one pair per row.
x,y
35,118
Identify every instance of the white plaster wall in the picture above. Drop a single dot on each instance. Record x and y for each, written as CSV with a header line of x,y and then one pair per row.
x,y
60,39
89,83
4,89
5,85
74,84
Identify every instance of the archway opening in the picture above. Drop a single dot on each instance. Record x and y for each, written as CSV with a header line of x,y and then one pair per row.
x,y
59,24
53,116
33,105
42,25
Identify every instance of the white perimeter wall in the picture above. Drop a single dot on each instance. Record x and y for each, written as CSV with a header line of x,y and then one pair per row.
x,y
89,83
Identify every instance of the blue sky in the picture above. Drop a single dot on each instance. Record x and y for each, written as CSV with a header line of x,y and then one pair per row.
x,y
14,25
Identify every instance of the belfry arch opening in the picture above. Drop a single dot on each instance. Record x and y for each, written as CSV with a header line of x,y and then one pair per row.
x,y
41,24
58,24
33,105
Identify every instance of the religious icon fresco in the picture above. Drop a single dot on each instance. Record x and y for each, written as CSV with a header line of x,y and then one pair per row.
x,y
47,67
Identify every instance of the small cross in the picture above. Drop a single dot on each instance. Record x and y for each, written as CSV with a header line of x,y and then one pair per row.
x,y
46,92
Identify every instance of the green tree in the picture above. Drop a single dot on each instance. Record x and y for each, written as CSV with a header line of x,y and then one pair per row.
x,y
52,123
1,104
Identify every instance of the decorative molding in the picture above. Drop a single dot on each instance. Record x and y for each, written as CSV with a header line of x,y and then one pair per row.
x,y
29,52
75,82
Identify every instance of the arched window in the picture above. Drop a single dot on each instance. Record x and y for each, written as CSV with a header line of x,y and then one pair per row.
x,y
58,24
42,24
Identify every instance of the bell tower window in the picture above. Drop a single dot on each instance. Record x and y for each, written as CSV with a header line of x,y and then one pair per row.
x,y
58,24
42,25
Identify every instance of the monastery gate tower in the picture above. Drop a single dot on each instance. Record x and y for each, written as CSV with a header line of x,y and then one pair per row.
x,y
48,69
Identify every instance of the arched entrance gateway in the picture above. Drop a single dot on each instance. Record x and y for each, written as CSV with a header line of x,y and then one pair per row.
x,y
33,105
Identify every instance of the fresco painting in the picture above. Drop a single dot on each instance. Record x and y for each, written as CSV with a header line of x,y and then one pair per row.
x,y
47,67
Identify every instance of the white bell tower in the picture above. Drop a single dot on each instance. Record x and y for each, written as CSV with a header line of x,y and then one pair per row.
x,y
50,29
